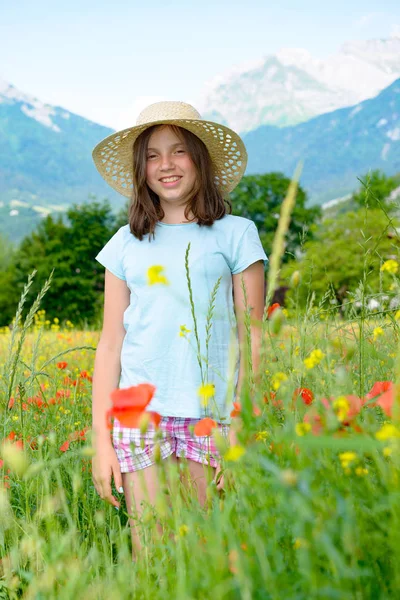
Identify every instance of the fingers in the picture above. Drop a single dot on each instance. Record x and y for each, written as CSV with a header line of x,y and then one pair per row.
x,y
103,488
116,471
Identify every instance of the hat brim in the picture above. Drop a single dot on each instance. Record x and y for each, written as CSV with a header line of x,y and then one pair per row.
x,y
113,155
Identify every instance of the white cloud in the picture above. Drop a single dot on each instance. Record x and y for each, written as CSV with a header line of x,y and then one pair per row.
x,y
395,30
367,19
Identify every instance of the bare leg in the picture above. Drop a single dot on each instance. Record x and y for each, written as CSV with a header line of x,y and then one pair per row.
x,y
199,476
141,486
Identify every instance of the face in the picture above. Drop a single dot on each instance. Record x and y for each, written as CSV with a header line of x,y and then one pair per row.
x,y
168,157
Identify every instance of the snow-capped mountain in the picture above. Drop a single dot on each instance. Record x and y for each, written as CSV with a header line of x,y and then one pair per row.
x,y
30,106
45,161
293,86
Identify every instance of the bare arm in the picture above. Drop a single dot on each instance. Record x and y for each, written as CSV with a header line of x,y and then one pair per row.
x,y
107,370
107,365
254,280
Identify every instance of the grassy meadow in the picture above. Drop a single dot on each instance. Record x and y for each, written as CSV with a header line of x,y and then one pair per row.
x,y
311,509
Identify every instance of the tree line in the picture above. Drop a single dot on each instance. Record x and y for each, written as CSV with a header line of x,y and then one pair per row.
x,y
327,252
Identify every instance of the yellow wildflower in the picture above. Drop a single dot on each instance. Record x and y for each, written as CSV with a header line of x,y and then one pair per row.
x,y
341,407
360,471
206,392
154,275
277,379
387,451
300,543
387,432
397,315
183,330
378,331
346,458
390,266
262,435
234,453
183,530
302,428
314,359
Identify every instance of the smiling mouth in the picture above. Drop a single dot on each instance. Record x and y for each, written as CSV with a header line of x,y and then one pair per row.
x,y
172,179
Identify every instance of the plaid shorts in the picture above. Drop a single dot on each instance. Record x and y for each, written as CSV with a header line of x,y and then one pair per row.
x,y
136,451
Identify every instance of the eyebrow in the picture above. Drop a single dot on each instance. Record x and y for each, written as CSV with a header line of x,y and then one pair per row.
x,y
172,146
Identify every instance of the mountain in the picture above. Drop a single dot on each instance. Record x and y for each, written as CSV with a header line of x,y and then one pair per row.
x,y
45,158
335,147
292,86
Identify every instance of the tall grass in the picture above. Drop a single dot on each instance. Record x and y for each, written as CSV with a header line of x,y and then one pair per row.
x,y
304,519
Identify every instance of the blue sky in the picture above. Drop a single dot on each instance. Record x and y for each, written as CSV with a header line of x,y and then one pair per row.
x,y
107,60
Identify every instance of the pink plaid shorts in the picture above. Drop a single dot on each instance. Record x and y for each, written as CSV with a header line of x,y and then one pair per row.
x,y
176,437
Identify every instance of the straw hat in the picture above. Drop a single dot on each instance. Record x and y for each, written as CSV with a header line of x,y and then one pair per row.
x,y
113,155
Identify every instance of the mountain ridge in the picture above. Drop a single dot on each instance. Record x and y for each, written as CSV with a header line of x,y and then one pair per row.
x,y
249,97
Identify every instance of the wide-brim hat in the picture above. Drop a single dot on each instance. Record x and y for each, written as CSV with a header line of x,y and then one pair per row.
x,y
113,155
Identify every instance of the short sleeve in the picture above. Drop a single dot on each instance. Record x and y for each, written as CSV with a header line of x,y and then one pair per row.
x,y
111,255
248,250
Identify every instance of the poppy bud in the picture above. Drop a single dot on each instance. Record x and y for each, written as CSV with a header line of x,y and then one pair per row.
x,y
276,321
221,443
157,453
144,422
295,279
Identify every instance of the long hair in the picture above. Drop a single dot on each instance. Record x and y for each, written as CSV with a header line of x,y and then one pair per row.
x,y
205,200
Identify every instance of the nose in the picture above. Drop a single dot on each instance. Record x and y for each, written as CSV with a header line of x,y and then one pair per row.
x,y
166,163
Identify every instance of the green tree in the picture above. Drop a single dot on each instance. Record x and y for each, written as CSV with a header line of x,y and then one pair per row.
x,y
375,190
8,296
68,247
259,198
342,250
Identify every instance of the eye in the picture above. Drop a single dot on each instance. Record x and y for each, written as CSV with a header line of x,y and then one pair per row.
x,y
151,156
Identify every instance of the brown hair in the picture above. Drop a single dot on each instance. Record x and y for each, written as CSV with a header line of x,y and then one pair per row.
x,y
205,201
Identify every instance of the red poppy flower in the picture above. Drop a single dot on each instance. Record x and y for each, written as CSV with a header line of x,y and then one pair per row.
x,y
385,401
271,309
130,403
275,402
62,365
236,409
379,388
64,446
11,402
204,427
305,393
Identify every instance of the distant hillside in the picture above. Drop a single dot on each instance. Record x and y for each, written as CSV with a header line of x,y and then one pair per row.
x,y
335,147
45,161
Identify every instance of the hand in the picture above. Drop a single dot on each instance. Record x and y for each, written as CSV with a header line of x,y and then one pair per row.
x,y
219,474
104,464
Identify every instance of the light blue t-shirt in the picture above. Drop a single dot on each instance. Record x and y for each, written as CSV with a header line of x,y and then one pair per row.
x,y
153,350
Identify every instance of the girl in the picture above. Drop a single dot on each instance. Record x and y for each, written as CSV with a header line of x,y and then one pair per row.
x,y
181,169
